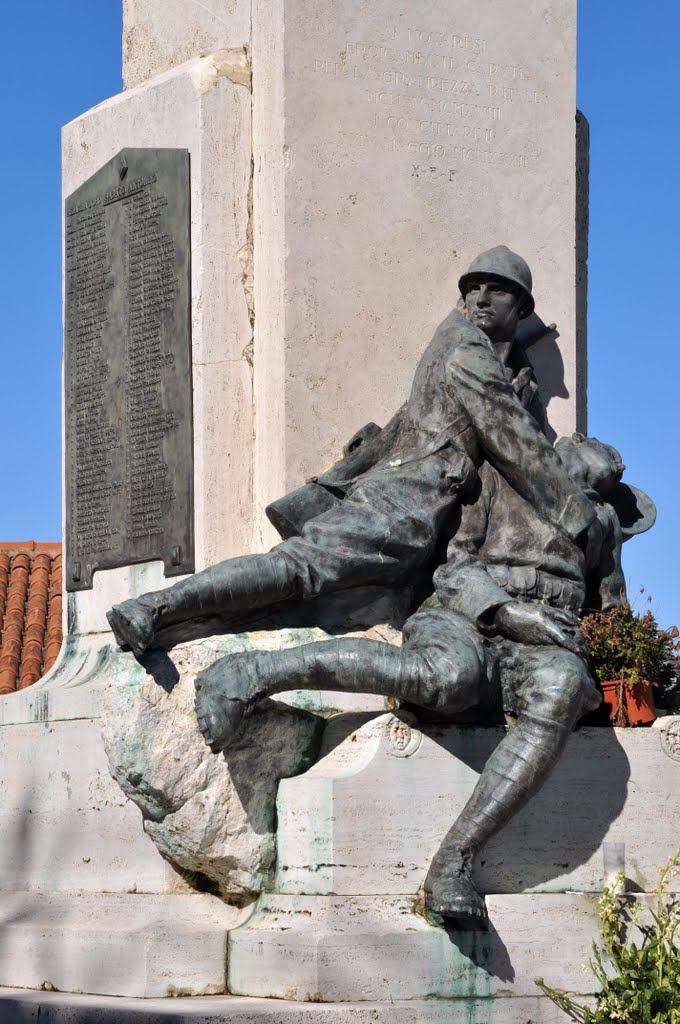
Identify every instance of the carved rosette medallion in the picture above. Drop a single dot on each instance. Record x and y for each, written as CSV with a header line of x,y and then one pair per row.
x,y
400,737
670,738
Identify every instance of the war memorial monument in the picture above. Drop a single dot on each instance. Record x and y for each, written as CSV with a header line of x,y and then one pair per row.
x,y
311,751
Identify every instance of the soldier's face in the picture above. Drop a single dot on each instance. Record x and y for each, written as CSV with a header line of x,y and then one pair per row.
x,y
591,464
604,468
494,308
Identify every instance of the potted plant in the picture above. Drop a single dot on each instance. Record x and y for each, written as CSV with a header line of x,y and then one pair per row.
x,y
629,654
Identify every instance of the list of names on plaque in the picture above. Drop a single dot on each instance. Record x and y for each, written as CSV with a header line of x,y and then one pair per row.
x,y
128,367
88,273
151,290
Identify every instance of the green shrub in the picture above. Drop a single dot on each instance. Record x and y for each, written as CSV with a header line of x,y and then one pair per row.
x,y
629,645
640,984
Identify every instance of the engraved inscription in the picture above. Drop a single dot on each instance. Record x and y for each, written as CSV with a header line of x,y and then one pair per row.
x,y
436,95
128,367
151,289
88,277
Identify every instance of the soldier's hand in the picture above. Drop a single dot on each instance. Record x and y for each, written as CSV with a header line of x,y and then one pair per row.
x,y
533,624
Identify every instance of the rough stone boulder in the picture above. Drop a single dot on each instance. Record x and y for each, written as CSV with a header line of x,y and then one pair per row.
x,y
213,815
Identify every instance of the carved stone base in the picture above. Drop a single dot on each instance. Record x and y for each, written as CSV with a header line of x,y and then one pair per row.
x,y
56,1008
86,901
343,948
357,832
369,815
115,944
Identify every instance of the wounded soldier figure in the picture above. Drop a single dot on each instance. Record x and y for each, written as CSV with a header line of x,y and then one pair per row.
x,y
533,532
500,631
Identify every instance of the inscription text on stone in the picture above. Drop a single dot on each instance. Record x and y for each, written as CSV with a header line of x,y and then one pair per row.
x,y
128,367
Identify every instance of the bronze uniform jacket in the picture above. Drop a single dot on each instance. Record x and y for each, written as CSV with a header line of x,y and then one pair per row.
x,y
503,549
463,396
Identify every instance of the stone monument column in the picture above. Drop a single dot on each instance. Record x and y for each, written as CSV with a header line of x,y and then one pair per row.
x,y
347,164
392,143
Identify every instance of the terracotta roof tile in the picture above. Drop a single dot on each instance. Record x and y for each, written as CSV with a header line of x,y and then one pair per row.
x,y
53,635
30,612
4,581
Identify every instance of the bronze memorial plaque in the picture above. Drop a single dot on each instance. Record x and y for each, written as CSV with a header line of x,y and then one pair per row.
x,y
129,454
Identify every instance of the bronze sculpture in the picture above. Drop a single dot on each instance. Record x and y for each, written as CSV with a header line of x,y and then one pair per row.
x,y
463,409
529,531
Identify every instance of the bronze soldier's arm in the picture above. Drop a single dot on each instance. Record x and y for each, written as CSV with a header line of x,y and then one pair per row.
x,y
510,437
605,582
463,583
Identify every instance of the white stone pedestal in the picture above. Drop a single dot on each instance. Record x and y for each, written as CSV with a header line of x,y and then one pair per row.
x,y
358,830
87,903
340,948
368,817
129,944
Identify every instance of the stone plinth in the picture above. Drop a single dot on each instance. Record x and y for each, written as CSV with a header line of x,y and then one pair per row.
x,y
65,824
357,833
96,897
368,817
337,949
17,1007
121,945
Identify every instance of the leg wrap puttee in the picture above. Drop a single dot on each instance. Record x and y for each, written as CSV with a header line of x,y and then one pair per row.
x,y
514,772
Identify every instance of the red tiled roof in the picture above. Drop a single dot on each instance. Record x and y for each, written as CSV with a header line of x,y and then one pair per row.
x,y
30,612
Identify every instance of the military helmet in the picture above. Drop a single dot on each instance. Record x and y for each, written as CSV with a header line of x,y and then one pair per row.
x,y
501,262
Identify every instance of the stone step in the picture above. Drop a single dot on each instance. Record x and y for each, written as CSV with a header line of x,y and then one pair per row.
x,y
17,1007
341,948
114,944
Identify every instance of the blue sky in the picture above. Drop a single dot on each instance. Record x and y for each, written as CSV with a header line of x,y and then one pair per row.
x,y
61,59
627,89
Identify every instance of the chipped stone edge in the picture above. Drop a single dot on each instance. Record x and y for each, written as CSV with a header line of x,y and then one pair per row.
x,y
233,64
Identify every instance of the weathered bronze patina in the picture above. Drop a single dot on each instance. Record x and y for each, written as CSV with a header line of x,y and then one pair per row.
x,y
129,475
524,532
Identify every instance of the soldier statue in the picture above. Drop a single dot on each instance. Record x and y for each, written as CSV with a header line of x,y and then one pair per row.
x,y
531,533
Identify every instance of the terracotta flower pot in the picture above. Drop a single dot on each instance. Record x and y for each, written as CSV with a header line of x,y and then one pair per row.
x,y
626,705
